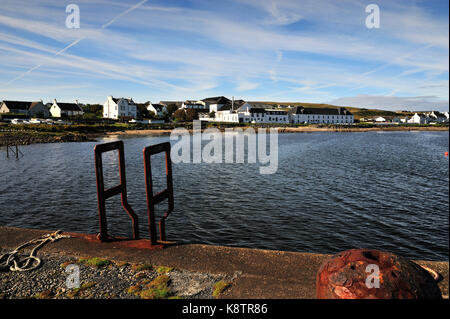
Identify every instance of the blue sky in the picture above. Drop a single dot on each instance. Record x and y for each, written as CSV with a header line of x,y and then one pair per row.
x,y
265,50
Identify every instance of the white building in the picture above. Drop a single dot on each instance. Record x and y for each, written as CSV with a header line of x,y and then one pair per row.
x,y
224,116
252,113
215,104
114,108
227,113
146,121
418,119
300,114
195,105
438,117
380,119
159,110
446,114
59,109
25,107
260,115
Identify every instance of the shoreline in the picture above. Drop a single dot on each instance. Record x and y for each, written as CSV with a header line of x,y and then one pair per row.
x,y
30,137
303,129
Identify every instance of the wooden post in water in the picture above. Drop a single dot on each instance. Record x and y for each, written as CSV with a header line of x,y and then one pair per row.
x,y
9,148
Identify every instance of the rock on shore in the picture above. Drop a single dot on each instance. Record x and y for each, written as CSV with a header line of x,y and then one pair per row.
x,y
26,139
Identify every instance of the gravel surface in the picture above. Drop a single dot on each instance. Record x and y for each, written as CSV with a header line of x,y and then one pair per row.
x,y
110,281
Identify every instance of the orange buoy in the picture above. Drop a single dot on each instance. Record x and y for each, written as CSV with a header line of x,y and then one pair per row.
x,y
446,153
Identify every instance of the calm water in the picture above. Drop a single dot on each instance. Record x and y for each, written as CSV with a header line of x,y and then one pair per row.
x,y
332,191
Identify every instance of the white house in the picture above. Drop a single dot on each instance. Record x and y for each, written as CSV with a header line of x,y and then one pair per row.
x,y
114,108
300,114
25,107
446,114
59,109
227,113
159,110
436,116
268,116
215,104
195,105
418,119
380,119
223,116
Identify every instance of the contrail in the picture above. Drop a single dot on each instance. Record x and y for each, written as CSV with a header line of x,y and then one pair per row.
x,y
124,13
78,40
398,59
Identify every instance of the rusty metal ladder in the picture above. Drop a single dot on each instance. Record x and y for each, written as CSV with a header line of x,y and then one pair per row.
x,y
167,193
152,200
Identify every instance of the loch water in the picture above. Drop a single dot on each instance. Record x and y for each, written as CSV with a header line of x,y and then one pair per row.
x,y
331,192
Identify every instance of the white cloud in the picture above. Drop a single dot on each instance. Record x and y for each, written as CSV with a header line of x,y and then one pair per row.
x,y
280,16
403,57
244,85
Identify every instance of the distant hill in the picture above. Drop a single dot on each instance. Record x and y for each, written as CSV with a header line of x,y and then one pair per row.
x,y
357,112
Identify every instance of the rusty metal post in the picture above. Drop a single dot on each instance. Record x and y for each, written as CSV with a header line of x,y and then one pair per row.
x,y
103,195
167,193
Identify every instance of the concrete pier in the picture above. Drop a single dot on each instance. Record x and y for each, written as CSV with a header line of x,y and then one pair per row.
x,y
259,273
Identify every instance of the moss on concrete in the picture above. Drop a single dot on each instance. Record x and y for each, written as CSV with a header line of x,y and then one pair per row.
x,y
95,262
80,292
220,287
163,270
142,267
158,288
46,294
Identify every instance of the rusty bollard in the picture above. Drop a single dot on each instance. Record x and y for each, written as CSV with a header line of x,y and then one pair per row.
x,y
374,274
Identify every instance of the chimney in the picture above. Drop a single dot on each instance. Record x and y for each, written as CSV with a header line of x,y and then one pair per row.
x,y
76,101
232,104
54,101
